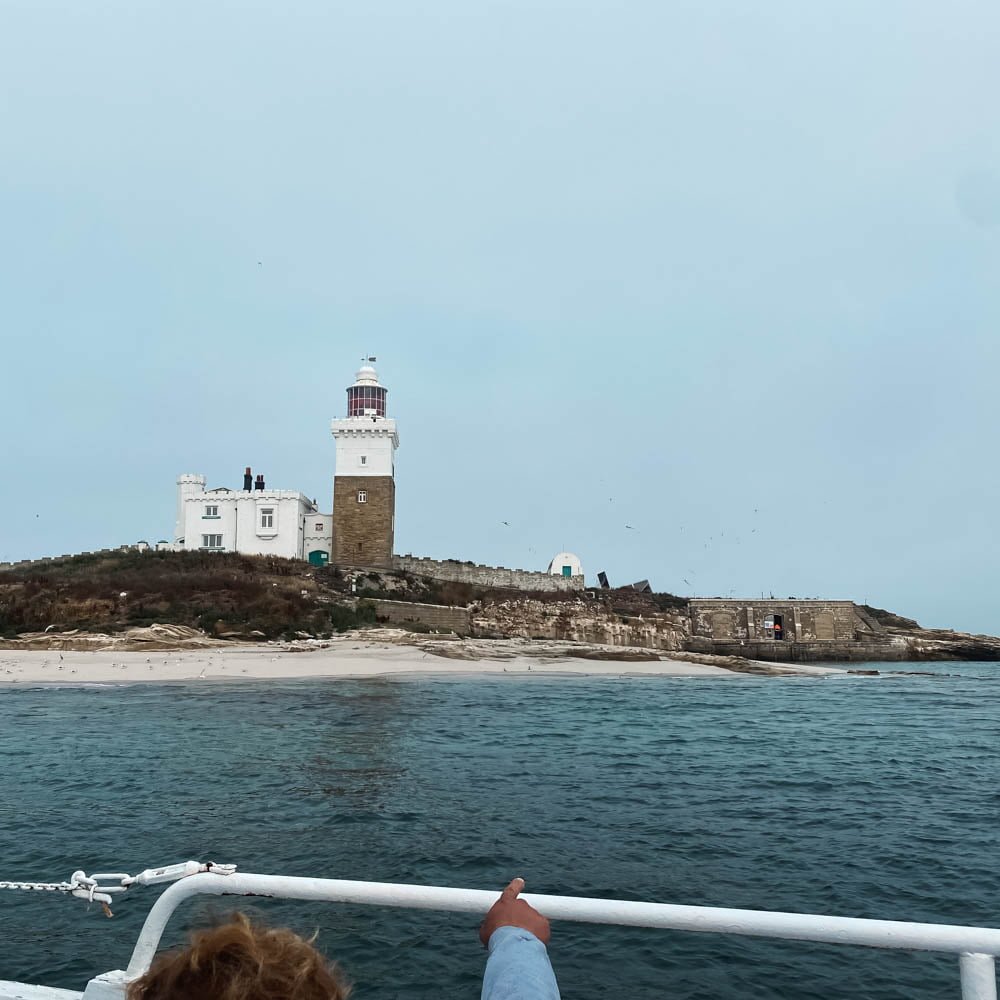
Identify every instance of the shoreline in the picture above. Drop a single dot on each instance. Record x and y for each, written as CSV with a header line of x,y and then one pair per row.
x,y
343,659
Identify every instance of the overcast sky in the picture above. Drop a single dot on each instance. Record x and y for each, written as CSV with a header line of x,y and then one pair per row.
x,y
724,272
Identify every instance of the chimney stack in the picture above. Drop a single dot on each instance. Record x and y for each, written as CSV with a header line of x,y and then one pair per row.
x,y
260,482
248,480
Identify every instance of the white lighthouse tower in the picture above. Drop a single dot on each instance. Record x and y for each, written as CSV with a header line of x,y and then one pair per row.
x,y
364,486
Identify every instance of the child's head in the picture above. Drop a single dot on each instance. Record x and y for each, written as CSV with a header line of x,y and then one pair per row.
x,y
240,961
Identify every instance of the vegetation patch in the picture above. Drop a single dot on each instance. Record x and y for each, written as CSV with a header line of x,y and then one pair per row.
x,y
217,592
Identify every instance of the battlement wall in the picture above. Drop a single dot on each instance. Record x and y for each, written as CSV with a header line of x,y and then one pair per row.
x,y
45,560
486,576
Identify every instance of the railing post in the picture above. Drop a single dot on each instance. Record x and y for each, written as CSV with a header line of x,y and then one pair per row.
x,y
979,978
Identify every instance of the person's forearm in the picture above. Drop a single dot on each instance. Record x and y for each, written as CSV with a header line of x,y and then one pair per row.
x,y
518,968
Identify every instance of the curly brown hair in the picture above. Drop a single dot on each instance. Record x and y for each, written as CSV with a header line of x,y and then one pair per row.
x,y
240,960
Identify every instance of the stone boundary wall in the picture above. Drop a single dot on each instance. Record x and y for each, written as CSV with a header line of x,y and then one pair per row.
x,y
486,576
44,560
433,615
837,651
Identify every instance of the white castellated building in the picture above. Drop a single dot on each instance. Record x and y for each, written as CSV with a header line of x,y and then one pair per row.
x,y
254,520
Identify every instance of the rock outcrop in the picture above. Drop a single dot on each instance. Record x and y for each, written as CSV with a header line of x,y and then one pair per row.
x,y
581,620
944,644
152,637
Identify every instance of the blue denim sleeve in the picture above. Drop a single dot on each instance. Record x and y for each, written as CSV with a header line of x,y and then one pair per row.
x,y
518,968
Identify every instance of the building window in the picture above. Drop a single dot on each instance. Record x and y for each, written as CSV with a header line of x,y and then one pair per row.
x,y
211,541
319,527
211,510
364,459
362,496
267,517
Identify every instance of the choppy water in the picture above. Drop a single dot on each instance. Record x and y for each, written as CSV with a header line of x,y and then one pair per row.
x,y
868,797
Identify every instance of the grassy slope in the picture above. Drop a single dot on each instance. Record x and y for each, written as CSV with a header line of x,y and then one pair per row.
x,y
213,591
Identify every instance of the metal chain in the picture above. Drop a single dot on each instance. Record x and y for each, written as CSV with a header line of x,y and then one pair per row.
x,y
90,887
39,886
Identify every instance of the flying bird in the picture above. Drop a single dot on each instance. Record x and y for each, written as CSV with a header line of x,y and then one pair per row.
x,y
630,528
506,522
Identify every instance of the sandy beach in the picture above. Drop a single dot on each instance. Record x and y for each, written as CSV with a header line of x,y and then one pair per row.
x,y
344,659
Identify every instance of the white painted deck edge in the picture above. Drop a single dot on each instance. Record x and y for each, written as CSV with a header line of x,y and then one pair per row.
x,y
23,991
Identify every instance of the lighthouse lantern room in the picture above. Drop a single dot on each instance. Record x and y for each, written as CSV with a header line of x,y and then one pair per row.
x,y
366,398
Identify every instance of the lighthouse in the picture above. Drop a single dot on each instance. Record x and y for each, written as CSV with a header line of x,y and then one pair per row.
x,y
364,485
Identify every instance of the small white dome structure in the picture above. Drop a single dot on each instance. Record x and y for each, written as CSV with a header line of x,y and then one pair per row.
x,y
566,564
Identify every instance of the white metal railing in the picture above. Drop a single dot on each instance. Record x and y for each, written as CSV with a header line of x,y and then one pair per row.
x,y
975,946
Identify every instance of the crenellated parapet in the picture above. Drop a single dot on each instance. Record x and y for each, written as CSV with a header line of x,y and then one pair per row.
x,y
481,575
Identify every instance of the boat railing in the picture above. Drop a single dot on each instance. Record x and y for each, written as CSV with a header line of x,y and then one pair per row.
x,y
974,946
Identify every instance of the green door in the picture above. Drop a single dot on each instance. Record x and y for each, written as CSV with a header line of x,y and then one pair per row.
x,y
318,557
567,570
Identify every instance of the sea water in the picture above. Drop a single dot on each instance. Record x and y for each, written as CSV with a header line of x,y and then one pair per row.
x,y
873,797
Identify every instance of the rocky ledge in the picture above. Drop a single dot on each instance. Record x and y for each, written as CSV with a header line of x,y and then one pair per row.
x,y
944,644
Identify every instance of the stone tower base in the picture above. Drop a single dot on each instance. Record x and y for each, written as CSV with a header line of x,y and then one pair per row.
x,y
363,532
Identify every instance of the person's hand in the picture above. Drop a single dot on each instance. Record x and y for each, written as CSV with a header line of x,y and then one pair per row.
x,y
509,911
